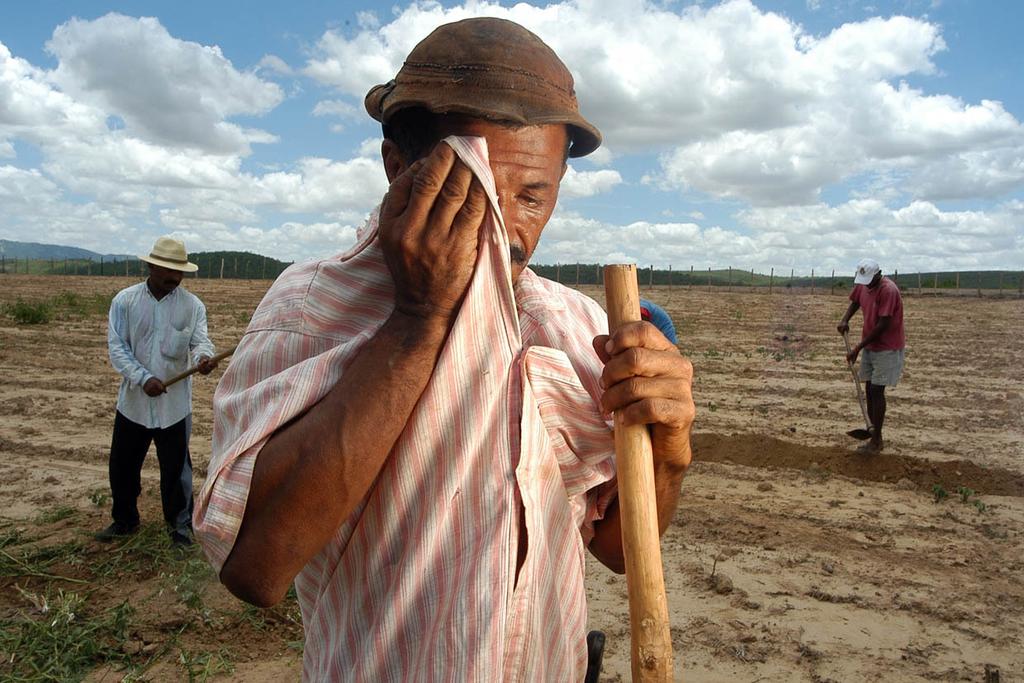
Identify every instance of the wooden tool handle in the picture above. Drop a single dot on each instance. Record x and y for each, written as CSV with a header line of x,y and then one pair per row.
x,y
856,383
195,368
651,639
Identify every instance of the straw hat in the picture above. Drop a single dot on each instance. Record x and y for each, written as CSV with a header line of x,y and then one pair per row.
x,y
491,69
170,253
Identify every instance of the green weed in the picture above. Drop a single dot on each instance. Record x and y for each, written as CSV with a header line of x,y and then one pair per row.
x,y
25,313
203,665
59,639
56,514
939,492
99,497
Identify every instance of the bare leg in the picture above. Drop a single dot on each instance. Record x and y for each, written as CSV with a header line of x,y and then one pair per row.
x,y
876,411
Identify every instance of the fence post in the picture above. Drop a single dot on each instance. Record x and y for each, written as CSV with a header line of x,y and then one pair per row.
x,y
709,279
812,281
558,273
771,282
790,280
935,283
919,283
689,283
221,267
832,283
730,280
958,282
101,266
3,263
979,284
1000,284
751,279
577,273
670,277
650,278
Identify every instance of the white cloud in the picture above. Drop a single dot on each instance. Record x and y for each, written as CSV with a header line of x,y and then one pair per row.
x,y
587,183
743,103
275,64
167,91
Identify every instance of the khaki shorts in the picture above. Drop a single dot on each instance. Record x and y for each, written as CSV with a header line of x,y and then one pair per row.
x,y
881,368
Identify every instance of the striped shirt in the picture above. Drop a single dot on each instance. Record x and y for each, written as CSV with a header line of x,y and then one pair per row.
x,y
149,338
419,583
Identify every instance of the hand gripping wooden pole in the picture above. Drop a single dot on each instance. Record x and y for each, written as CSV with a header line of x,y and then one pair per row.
x,y
651,640
195,368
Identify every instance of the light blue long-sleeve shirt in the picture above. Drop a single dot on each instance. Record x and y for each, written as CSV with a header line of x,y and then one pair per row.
x,y
149,338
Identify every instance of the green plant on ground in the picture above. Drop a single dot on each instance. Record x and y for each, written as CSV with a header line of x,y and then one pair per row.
x,y
964,493
56,514
201,666
24,313
979,506
939,492
99,497
60,638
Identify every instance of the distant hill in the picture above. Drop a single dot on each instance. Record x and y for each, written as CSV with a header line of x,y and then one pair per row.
x,y
55,259
35,250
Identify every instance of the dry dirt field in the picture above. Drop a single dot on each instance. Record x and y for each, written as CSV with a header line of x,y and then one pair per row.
x,y
791,558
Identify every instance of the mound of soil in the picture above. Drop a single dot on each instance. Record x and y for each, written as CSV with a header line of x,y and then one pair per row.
x,y
758,450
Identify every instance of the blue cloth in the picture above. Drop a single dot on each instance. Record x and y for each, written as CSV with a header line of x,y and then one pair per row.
x,y
656,315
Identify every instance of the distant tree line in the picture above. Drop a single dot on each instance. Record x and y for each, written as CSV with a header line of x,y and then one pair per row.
x,y
212,264
250,266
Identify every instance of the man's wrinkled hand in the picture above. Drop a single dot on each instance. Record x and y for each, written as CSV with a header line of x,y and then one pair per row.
x,y
843,327
429,226
154,387
647,381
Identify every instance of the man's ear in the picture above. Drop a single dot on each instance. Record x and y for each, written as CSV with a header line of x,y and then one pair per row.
x,y
394,161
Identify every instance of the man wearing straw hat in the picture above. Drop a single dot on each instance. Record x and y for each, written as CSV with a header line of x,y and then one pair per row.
x,y
415,432
156,330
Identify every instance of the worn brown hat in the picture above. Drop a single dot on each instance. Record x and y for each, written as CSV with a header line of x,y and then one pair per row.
x,y
488,68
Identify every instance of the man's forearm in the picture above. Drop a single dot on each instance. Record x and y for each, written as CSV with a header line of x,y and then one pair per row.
x,y
607,542
313,472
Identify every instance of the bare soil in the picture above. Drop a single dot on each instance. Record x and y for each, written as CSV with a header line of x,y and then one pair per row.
x,y
792,558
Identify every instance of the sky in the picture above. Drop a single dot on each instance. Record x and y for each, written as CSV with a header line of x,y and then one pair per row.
x,y
786,134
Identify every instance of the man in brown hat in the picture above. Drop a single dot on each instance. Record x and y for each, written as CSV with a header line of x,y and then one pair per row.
x,y
415,432
156,330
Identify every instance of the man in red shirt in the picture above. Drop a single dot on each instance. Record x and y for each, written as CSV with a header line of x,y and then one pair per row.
x,y
882,340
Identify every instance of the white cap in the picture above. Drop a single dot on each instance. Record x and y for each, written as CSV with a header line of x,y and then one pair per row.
x,y
866,270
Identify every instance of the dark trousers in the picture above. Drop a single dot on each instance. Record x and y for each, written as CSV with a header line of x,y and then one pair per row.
x,y
128,449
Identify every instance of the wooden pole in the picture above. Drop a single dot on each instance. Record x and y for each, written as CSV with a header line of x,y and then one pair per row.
x,y
195,368
935,283
919,283
771,281
577,273
709,279
1000,284
221,267
729,289
670,277
689,283
979,284
958,282
832,283
812,281
558,273
650,636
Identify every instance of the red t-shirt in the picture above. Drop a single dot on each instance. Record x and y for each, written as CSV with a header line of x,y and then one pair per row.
x,y
882,301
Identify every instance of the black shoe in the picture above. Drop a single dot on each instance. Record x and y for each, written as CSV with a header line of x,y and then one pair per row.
x,y
180,540
115,530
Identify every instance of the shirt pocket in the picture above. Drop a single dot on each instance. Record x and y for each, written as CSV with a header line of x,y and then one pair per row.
x,y
175,344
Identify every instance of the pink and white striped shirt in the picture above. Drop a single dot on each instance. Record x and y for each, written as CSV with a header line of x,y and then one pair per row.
x,y
419,583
